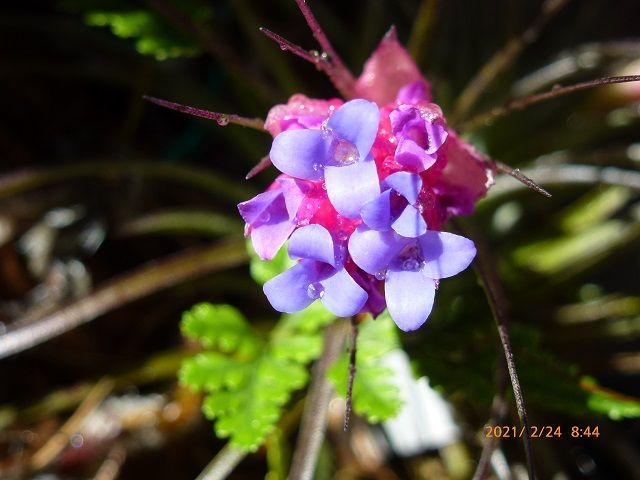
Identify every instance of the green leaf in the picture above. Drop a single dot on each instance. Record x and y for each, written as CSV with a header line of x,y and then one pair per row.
x,y
219,326
263,270
153,34
249,379
375,395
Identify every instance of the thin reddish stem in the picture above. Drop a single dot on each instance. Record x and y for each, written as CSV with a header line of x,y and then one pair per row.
x,y
286,45
557,91
339,74
221,118
262,164
521,177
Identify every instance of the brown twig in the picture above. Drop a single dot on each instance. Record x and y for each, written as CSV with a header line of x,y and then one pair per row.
x,y
522,178
314,418
557,91
223,463
60,440
140,283
352,371
221,119
501,60
339,74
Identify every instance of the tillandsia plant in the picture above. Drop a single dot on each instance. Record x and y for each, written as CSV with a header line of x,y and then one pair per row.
x,y
366,187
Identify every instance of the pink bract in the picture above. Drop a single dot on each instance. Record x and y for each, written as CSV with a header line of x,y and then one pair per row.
x,y
298,113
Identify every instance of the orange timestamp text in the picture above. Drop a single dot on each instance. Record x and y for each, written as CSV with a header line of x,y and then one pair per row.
x,y
544,431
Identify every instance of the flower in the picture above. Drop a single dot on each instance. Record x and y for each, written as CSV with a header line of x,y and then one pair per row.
x,y
420,133
320,274
339,153
271,216
396,207
410,268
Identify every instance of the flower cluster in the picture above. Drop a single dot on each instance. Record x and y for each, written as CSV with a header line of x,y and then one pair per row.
x,y
365,188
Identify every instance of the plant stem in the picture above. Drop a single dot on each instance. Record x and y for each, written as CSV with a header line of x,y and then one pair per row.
x,y
352,372
140,283
314,418
223,463
221,119
484,265
520,103
518,175
572,174
339,74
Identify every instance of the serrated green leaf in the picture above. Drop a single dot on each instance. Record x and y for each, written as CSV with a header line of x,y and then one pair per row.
x,y
375,395
264,270
219,326
249,380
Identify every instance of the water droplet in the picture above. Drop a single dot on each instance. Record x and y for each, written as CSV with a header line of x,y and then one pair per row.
x,y
317,166
345,153
222,120
381,275
283,47
265,217
411,265
315,291
324,186
437,282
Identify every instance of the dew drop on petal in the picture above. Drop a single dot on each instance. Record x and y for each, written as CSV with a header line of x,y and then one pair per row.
x,y
265,217
317,166
345,153
381,275
315,291
437,282
411,265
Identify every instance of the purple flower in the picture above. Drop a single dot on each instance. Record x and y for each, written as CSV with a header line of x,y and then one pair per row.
x,y
396,207
410,268
420,133
271,216
339,153
320,274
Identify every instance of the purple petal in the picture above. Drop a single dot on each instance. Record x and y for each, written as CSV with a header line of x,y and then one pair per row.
x,y
411,155
252,210
357,122
405,183
312,242
410,223
437,134
288,291
351,186
342,295
377,213
301,153
415,92
409,297
268,238
373,251
445,254
294,192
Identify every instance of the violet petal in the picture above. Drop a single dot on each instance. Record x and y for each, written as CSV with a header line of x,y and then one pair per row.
x,y
376,214
312,242
357,122
411,155
410,297
406,184
301,153
373,250
257,207
287,292
445,254
351,186
342,295
410,223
